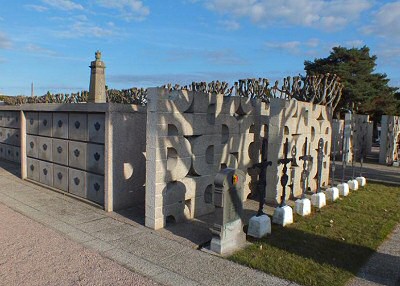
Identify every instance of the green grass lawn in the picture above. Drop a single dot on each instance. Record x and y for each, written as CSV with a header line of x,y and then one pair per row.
x,y
329,246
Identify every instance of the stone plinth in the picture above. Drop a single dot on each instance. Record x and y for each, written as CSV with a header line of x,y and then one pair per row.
x,y
343,189
303,207
353,185
362,181
332,194
283,215
259,226
231,238
318,200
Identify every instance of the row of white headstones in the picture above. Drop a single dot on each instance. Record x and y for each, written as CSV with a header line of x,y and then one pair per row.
x,y
260,226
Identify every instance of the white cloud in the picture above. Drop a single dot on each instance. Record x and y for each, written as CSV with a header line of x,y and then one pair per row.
x,y
86,29
229,25
129,9
32,48
37,8
5,42
332,15
292,47
386,22
66,5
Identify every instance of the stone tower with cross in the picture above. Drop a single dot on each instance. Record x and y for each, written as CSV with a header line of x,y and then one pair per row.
x,y
97,87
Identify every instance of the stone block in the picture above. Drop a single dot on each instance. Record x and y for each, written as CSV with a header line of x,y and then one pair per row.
x,y
303,207
332,194
77,182
259,226
283,215
77,126
45,124
95,158
60,177
77,155
353,185
33,169
32,146
343,189
60,151
362,181
60,125
318,200
96,127
95,188
32,122
46,173
45,148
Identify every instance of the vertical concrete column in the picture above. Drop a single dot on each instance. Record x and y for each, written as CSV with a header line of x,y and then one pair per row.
x,y
97,87
23,144
154,218
108,164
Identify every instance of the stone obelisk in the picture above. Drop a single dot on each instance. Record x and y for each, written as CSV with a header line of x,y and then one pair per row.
x,y
97,87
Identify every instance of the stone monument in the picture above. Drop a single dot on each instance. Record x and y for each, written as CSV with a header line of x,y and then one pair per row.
x,y
97,87
227,230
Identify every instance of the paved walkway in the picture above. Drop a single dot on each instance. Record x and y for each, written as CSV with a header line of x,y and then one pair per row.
x,y
372,171
383,268
94,232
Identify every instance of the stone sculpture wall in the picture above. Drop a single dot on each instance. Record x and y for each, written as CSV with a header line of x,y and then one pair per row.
x,y
192,135
296,121
363,129
389,145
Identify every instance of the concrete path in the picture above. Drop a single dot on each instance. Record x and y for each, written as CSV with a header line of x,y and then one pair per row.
x,y
131,245
372,171
32,254
384,266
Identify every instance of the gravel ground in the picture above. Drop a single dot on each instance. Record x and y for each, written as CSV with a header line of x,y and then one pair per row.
x,y
32,254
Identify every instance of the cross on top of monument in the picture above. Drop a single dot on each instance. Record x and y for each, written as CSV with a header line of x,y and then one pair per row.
x,y
98,55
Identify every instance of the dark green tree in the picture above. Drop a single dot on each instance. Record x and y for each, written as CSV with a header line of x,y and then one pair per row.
x,y
364,90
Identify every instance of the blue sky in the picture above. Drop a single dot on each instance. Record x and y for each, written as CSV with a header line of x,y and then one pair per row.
x,y
148,43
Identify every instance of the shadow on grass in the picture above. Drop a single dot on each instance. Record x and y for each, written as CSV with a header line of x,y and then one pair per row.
x,y
328,252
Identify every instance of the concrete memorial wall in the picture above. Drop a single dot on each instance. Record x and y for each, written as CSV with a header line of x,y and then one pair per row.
x,y
192,135
10,137
390,140
82,149
296,120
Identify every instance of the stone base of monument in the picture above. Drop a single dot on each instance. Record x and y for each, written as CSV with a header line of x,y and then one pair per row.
x,y
283,215
343,189
353,185
232,238
362,181
259,226
318,200
332,194
303,207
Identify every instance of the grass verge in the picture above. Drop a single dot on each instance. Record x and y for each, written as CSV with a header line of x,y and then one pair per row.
x,y
329,246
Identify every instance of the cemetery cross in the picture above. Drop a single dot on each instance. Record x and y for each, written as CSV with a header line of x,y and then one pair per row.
x,y
304,174
285,177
